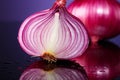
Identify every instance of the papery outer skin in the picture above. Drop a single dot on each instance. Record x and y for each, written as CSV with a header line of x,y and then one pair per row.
x,y
56,74
101,17
54,31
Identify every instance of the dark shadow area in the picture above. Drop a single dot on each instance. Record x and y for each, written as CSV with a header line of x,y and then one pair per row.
x,y
12,58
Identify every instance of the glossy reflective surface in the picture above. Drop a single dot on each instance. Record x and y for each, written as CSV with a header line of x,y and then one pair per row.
x,y
61,70
101,62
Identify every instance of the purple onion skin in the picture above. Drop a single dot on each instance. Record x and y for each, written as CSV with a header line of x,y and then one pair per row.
x,y
101,17
101,61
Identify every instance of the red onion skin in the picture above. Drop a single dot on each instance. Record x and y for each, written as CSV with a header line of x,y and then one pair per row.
x,y
101,17
101,62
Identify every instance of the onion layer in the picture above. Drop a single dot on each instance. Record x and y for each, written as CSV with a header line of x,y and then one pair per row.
x,y
53,32
101,17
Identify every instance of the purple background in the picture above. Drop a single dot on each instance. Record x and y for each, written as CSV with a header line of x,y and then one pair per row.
x,y
18,10
12,14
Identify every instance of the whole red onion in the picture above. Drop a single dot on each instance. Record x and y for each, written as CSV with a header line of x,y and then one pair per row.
x,y
53,33
40,70
101,17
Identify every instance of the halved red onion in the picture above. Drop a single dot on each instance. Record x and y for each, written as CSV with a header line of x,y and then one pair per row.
x,y
55,32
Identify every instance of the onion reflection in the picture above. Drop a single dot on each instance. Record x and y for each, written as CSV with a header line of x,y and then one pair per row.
x,y
102,61
62,70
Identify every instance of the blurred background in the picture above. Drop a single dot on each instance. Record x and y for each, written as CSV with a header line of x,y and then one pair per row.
x,y
13,59
18,10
